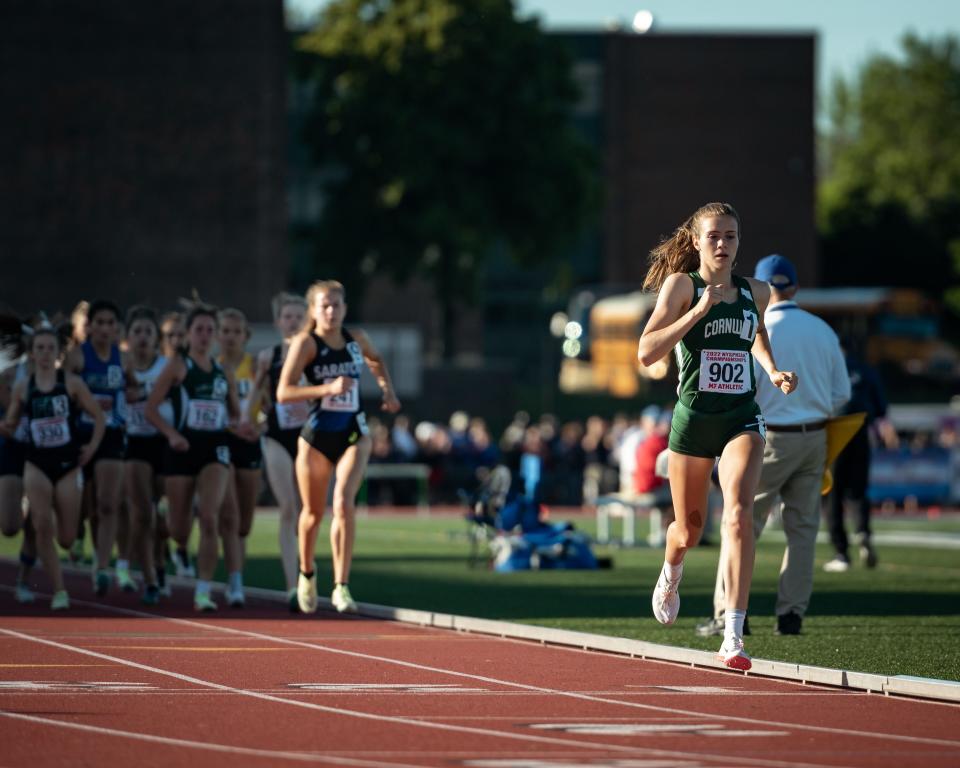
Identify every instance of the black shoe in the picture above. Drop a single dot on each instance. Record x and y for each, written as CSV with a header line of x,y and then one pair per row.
x,y
788,624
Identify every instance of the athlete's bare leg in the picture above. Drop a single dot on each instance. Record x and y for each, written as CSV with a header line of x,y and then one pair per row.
x,y
350,471
39,491
108,482
740,467
211,488
228,525
179,489
283,483
139,482
314,471
689,483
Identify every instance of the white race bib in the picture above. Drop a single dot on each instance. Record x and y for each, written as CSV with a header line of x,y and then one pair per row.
x,y
51,432
292,415
724,371
137,423
206,415
345,402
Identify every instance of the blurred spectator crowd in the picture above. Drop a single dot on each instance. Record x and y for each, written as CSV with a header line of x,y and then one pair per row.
x,y
575,461
562,463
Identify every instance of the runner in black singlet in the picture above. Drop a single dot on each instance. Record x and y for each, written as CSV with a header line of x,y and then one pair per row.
x,y
335,438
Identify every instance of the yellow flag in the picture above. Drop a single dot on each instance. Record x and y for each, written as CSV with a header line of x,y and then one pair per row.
x,y
840,431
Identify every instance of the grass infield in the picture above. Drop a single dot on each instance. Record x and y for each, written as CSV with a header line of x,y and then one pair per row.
x,y
901,618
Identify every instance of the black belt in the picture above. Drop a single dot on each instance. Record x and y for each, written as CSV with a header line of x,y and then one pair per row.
x,y
811,427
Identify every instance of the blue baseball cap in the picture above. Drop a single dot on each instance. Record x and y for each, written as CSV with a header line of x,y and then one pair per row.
x,y
777,270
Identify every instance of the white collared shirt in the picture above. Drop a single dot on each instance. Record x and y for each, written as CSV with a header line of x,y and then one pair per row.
x,y
803,343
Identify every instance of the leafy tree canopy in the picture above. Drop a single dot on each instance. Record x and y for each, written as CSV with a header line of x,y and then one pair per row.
x,y
445,129
889,202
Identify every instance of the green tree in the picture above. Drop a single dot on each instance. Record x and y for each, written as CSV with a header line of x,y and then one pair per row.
x,y
889,201
444,127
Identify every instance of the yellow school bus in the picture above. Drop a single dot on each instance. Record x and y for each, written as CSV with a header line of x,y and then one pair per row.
x,y
895,326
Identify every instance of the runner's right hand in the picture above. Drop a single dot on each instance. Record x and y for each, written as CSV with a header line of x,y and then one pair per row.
x,y
342,384
712,295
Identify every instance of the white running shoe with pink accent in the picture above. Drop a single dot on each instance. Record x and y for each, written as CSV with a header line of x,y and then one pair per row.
x,y
666,599
731,654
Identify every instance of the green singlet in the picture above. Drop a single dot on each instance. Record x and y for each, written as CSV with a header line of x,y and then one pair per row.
x,y
717,386
202,404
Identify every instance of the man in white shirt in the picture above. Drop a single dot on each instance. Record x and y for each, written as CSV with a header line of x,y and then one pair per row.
x,y
796,442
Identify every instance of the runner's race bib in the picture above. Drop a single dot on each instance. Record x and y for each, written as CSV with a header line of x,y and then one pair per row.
x,y
206,415
724,371
345,402
292,415
51,432
137,423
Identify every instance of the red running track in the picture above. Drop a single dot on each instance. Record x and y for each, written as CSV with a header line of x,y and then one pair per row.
x,y
111,683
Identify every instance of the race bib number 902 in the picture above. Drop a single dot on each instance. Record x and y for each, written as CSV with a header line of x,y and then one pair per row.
x,y
724,371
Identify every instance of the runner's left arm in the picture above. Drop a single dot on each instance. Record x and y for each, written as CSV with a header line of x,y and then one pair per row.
x,y
378,368
78,390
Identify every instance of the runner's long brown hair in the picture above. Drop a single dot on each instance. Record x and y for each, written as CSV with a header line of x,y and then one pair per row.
x,y
677,253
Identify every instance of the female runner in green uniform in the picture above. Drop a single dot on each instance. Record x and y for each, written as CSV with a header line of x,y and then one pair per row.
x,y
714,320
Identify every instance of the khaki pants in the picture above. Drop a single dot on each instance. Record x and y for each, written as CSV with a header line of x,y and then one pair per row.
x,y
793,465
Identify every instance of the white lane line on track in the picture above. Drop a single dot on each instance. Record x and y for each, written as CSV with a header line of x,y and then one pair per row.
x,y
161,692
568,743
776,724
303,757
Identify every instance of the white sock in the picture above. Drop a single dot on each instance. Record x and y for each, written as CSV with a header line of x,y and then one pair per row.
x,y
235,580
733,623
203,587
673,572
123,565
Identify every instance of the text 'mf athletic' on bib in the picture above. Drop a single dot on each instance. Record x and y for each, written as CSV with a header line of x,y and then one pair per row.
x,y
716,371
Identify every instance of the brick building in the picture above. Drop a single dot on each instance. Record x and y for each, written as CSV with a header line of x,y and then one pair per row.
x,y
143,152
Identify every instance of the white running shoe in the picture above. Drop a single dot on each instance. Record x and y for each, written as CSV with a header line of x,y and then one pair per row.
x,y
838,564
731,654
666,599
23,594
235,597
342,599
307,593
60,601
